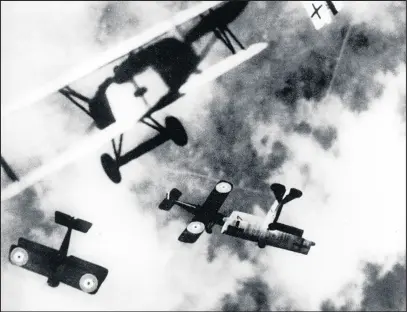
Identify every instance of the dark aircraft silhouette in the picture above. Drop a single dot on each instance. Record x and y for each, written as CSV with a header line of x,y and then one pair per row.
x,y
206,216
174,60
56,265
240,224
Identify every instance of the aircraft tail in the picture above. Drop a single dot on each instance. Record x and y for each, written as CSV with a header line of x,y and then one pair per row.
x,y
70,222
275,210
294,193
278,191
170,199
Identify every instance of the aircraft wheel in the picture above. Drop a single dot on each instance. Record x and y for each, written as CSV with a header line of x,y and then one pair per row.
x,y
223,187
111,168
52,283
196,227
19,256
176,131
88,283
208,230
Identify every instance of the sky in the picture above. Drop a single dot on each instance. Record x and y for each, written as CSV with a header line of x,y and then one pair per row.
x,y
311,112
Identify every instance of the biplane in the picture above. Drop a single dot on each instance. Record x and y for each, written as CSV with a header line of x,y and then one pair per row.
x,y
56,265
328,10
268,231
240,224
205,216
174,59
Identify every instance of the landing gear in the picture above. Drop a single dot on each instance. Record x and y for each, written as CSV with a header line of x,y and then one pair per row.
x,y
111,168
88,283
19,256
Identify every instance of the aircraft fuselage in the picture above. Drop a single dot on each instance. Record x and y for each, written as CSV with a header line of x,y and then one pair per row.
x,y
250,227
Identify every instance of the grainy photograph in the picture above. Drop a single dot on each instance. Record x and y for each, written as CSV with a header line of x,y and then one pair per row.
x,y
203,156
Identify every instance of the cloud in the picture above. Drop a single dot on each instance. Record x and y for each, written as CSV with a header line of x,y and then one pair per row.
x,y
325,136
381,15
381,291
343,208
253,295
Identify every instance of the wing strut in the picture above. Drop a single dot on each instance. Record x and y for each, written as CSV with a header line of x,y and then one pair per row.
x,y
117,151
222,34
188,207
69,94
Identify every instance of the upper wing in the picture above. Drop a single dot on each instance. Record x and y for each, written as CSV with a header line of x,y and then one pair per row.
x,y
76,270
38,257
111,55
193,231
196,227
216,198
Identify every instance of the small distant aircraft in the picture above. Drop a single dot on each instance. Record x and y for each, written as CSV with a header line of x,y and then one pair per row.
x,y
316,11
206,216
151,49
269,231
55,264
329,9
241,224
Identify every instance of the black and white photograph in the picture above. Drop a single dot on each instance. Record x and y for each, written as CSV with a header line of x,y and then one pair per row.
x,y
203,155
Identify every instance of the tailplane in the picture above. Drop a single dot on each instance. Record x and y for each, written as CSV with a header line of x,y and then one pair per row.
x,y
170,199
71,222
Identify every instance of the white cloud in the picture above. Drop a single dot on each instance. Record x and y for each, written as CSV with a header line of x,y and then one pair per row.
x,y
353,207
386,16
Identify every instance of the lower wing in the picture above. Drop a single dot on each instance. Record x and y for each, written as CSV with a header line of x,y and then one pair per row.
x,y
76,272
32,256
193,231
83,275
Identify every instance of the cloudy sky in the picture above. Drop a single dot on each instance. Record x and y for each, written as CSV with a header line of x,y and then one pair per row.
x,y
309,112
